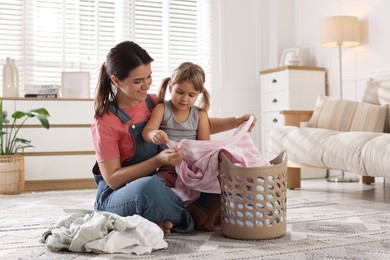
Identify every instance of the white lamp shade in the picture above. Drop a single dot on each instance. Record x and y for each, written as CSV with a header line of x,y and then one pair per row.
x,y
339,31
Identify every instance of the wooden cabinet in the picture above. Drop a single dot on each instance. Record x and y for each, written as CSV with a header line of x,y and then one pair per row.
x,y
63,156
287,88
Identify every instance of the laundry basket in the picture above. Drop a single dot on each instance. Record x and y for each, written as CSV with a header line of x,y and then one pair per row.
x,y
253,199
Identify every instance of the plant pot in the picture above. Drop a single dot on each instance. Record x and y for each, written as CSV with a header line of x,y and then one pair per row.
x,y
11,174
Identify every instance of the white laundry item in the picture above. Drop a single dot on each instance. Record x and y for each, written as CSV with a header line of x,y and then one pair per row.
x,y
141,239
104,232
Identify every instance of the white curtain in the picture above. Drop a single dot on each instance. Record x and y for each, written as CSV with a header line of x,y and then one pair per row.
x,y
47,37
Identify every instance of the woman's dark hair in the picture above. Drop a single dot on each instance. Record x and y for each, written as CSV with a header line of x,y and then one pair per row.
x,y
120,61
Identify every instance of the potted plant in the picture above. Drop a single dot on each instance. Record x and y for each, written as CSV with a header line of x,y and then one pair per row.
x,y
12,147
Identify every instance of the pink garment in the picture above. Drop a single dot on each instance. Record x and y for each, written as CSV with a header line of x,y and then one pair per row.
x,y
199,170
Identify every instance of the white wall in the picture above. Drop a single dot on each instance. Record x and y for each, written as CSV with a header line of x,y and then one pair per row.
x,y
239,90
370,59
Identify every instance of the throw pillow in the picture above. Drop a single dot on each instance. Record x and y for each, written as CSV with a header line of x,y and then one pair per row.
x,y
371,92
378,92
387,122
346,115
384,92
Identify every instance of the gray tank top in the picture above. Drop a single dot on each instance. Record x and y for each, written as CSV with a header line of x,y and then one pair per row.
x,y
176,130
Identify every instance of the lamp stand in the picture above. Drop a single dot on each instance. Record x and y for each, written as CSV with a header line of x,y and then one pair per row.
x,y
340,71
341,178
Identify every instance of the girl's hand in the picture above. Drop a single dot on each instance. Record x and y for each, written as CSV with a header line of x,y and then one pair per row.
x,y
244,118
171,157
160,137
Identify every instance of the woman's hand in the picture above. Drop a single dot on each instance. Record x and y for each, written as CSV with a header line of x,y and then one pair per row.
x,y
171,157
244,118
160,137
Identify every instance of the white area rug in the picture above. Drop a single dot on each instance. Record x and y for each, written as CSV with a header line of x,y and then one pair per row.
x,y
315,230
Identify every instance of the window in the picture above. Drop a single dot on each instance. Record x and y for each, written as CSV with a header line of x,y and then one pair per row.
x,y
46,37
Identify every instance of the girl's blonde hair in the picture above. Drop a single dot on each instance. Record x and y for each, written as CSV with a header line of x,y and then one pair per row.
x,y
192,73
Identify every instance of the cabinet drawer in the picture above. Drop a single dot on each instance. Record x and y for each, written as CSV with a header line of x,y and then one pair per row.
x,y
61,111
275,82
58,167
275,101
58,139
272,120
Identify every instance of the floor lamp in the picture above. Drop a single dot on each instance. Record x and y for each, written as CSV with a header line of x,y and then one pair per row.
x,y
340,32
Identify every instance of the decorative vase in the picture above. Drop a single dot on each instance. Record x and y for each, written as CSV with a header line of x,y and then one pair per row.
x,y
11,174
10,79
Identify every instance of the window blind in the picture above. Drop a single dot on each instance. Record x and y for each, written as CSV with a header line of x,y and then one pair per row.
x,y
47,37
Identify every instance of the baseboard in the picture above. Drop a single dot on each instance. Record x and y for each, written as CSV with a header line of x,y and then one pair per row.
x,y
65,184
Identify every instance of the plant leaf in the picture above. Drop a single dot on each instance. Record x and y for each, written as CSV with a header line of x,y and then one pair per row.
x,y
22,147
44,121
40,111
19,114
22,140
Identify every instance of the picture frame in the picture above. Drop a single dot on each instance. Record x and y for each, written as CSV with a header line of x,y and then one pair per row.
x,y
287,53
75,84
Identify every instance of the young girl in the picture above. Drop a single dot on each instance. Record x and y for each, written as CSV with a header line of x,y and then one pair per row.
x,y
179,119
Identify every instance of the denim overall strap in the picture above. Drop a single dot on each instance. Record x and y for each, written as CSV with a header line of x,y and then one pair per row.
x,y
142,150
125,118
119,113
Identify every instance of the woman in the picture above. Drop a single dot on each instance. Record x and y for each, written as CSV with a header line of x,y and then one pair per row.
x,y
126,164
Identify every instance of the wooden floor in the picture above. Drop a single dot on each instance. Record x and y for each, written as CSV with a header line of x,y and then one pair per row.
x,y
371,196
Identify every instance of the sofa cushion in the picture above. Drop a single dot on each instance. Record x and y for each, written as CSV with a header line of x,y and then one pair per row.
x,y
346,115
384,92
387,122
376,153
384,99
371,92
378,92
303,145
364,153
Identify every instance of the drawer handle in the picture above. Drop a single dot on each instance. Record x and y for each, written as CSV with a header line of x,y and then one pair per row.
x,y
275,120
274,81
274,100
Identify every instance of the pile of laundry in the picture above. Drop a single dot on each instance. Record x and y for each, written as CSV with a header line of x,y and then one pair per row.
x,y
104,232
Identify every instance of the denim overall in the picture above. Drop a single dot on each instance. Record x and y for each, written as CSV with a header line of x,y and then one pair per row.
x,y
147,196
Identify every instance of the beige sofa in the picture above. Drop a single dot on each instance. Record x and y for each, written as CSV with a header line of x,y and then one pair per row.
x,y
339,134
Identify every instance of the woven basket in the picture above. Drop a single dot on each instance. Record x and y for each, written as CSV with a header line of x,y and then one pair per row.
x,y
254,199
11,174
